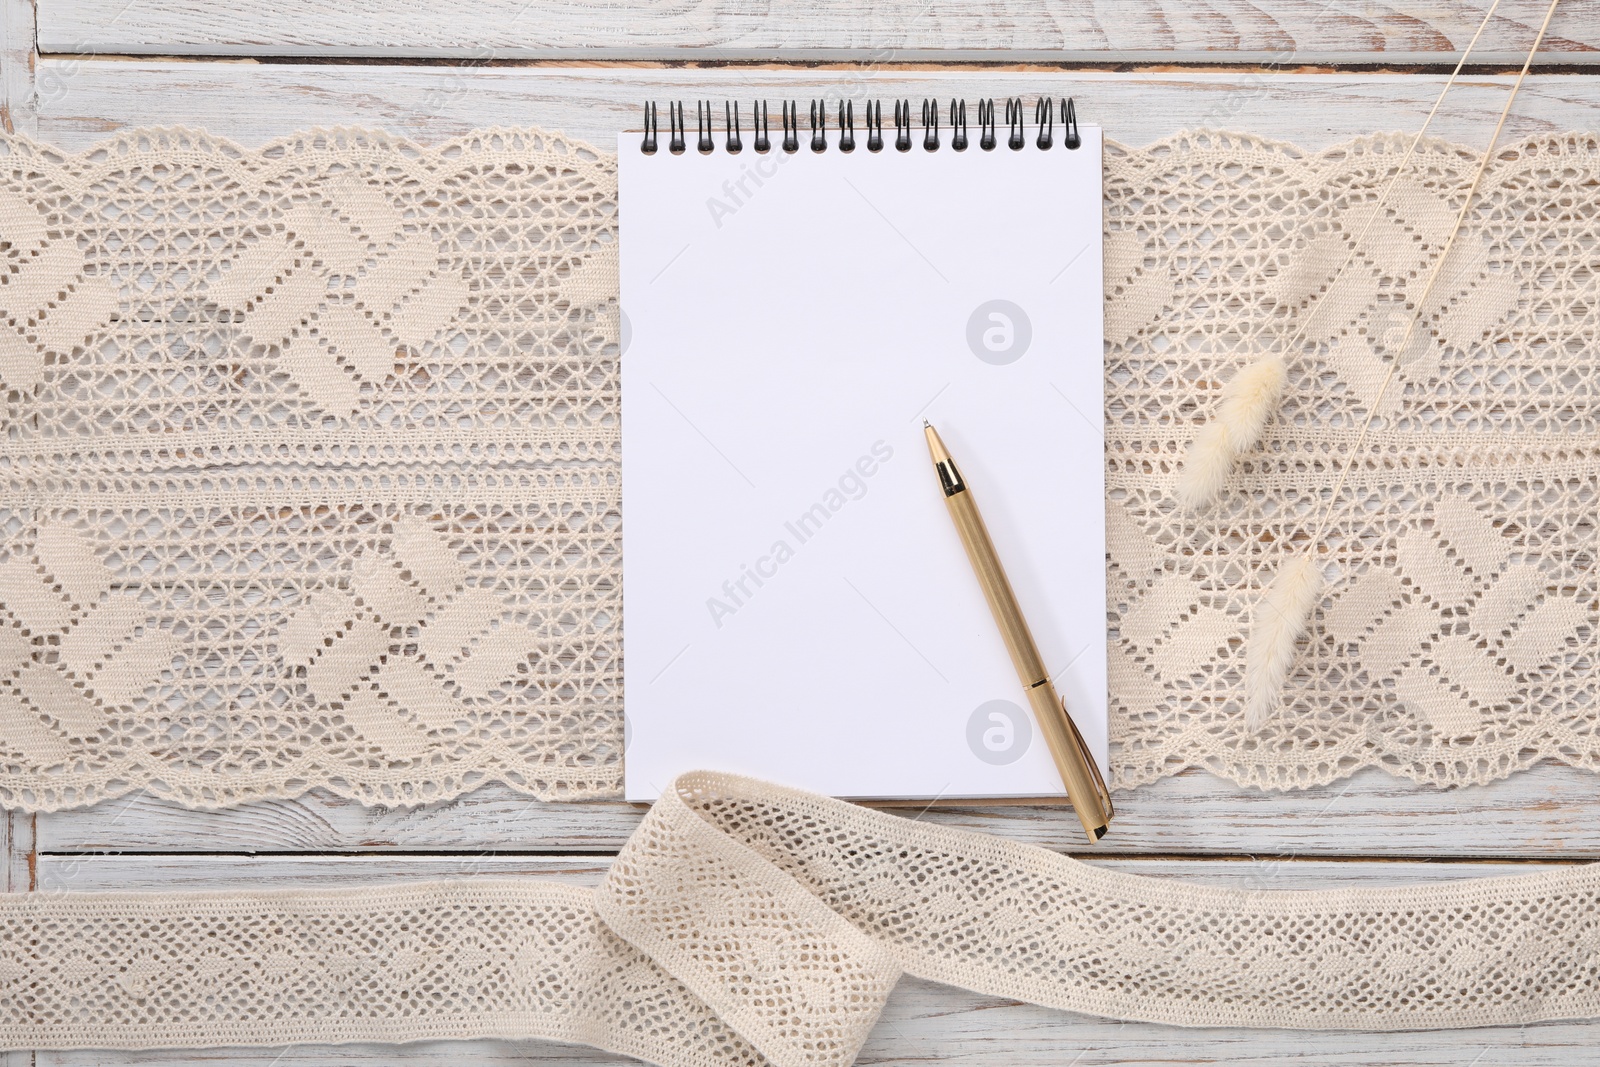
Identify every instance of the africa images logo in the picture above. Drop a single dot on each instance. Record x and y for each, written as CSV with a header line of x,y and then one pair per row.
x,y
999,732
999,332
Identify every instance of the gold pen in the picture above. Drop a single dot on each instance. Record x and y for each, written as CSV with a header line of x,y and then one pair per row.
x,y
1085,787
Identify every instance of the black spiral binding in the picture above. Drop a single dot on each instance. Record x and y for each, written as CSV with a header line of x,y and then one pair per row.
x,y
1044,117
1044,122
902,125
702,125
675,120
652,126
763,129
958,125
791,127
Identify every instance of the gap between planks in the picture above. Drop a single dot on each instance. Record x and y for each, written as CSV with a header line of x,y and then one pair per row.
x,y
140,873
1221,64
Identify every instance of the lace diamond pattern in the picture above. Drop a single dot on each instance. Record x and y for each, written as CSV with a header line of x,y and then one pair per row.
x,y
311,463
311,469
1455,641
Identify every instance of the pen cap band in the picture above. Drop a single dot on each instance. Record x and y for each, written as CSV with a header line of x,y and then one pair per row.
x,y
1073,760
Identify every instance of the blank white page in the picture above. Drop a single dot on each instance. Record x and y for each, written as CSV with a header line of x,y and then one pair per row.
x,y
797,604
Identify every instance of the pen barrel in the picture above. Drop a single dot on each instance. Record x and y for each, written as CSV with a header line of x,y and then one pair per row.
x,y
1060,734
996,588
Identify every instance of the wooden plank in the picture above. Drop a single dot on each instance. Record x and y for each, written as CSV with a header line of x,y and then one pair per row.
x,y
16,853
421,1054
16,850
493,817
1288,32
1547,812
253,103
923,1023
203,873
17,58
927,1024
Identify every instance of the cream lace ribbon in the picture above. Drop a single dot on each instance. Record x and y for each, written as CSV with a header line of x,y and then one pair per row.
x,y
745,923
309,464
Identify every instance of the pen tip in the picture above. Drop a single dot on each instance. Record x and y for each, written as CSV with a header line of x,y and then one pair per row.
x,y
936,448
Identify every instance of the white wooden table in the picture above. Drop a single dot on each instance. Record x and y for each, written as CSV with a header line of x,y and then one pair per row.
x,y
1310,71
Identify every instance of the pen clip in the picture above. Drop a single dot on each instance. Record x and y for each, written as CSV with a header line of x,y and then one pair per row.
x,y
1100,789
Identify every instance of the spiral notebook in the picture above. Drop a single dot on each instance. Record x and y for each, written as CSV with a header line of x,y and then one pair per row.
x,y
797,604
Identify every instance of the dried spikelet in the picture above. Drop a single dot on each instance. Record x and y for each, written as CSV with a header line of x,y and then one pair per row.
x,y
1207,466
1280,620
1248,401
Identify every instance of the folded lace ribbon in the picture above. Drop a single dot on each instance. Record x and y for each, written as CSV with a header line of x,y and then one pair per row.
x,y
746,923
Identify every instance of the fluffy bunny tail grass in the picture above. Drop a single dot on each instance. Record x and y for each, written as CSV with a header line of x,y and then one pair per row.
x,y
1248,401
1207,466
1279,622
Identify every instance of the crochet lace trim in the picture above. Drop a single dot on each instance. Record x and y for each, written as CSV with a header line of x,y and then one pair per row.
x,y
744,923
310,463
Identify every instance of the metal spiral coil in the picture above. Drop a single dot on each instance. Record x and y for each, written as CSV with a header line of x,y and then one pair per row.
x,y
1044,125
